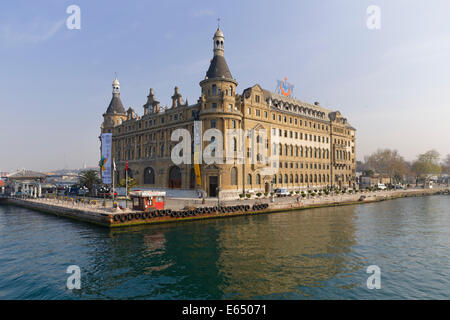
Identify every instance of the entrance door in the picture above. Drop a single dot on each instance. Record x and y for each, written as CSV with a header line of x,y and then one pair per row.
x,y
267,187
175,178
213,184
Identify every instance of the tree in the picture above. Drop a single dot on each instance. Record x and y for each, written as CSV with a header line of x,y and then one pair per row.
x,y
446,165
131,184
88,179
427,164
388,162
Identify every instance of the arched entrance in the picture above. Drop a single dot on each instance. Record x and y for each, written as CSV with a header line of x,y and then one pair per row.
x,y
149,176
267,187
175,178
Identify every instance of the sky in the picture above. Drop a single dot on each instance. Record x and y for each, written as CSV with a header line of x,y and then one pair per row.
x,y
391,83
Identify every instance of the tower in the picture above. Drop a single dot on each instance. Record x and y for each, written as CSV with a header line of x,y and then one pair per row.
x,y
115,113
220,109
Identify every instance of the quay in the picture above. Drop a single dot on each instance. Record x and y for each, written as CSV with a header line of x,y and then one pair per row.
x,y
112,217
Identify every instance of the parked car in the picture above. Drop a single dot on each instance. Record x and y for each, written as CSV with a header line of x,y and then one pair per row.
x,y
399,186
282,193
381,186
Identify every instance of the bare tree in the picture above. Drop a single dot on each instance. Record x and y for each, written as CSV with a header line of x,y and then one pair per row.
x,y
388,162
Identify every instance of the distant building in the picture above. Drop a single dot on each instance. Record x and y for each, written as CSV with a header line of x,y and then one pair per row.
x,y
370,181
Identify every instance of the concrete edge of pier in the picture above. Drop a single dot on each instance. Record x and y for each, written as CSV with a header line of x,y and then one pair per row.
x,y
106,219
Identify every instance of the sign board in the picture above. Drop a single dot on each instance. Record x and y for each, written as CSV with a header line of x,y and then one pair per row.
x,y
106,158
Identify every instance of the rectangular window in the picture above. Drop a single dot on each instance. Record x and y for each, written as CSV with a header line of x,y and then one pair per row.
x,y
213,123
214,105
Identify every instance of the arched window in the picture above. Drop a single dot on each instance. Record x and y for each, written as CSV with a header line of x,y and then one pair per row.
x,y
234,144
274,179
301,178
296,178
306,178
286,178
249,179
214,89
258,179
231,91
291,178
233,176
274,149
280,178
149,176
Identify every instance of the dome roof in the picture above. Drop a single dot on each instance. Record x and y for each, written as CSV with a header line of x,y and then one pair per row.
x,y
115,106
218,33
116,82
218,68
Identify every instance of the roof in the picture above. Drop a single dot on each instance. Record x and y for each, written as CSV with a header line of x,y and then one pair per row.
x,y
116,106
149,193
26,174
218,68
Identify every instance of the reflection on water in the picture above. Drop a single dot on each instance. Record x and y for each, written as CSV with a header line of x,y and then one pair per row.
x,y
309,254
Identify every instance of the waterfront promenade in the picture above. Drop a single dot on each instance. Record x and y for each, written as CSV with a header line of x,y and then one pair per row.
x,y
102,212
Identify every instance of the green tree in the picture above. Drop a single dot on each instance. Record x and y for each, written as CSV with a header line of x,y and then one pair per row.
x,y
89,179
131,184
427,164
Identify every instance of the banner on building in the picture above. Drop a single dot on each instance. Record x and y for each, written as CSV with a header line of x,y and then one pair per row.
x,y
106,158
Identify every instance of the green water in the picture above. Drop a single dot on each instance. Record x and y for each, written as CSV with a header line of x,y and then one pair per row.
x,y
309,254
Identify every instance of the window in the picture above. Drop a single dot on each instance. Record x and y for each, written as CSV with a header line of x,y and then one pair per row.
x,y
214,89
258,113
213,123
233,176
249,111
257,98
258,179
233,124
214,105
249,179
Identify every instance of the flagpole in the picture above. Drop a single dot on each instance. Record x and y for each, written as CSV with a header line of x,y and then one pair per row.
x,y
126,186
113,173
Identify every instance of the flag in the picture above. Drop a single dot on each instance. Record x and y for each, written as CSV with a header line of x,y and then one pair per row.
x,y
114,165
127,164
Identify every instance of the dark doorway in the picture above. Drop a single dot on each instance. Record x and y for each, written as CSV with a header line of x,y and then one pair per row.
x,y
175,178
192,179
213,184
267,187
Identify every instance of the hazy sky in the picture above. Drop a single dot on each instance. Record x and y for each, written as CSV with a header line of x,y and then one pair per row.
x,y
393,84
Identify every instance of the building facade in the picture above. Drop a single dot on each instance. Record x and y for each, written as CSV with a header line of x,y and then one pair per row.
x,y
305,145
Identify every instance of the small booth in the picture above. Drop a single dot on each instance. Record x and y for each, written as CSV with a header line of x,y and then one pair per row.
x,y
148,200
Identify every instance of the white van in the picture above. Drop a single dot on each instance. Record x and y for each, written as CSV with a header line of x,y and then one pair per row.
x,y
381,186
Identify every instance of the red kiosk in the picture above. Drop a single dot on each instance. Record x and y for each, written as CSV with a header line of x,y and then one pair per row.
x,y
148,200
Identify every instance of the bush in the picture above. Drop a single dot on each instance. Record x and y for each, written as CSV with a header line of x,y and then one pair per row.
x,y
241,195
259,194
350,191
327,192
248,195
313,194
266,194
303,194
272,193
297,192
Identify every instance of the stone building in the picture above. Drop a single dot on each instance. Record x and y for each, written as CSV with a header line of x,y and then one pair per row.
x,y
306,145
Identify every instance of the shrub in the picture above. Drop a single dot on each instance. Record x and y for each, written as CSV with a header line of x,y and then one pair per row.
x,y
350,191
259,194
313,194
248,195
266,194
297,192
303,194
241,195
